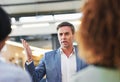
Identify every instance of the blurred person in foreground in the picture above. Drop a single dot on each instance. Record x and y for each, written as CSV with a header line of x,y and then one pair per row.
x,y
9,72
58,65
99,41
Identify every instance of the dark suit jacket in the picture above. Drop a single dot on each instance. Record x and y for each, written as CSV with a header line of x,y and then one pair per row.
x,y
50,65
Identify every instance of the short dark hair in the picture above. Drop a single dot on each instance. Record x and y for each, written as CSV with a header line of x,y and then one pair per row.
x,y
5,24
66,24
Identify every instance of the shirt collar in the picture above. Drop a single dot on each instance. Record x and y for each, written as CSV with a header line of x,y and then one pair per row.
x,y
61,51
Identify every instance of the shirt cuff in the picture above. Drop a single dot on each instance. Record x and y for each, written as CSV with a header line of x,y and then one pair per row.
x,y
28,63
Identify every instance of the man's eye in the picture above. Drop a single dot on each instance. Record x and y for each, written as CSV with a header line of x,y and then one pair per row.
x,y
60,34
67,34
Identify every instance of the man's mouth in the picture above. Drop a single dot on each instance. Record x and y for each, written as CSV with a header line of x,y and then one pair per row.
x,y
64,42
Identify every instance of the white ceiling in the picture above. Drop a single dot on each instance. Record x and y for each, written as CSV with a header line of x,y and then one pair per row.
x,y
27,7
18,8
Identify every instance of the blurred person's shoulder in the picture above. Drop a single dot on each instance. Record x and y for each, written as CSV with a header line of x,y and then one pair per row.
x,y
13,73
97,74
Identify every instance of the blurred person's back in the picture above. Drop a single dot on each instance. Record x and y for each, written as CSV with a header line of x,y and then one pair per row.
x,y
9,72
12,73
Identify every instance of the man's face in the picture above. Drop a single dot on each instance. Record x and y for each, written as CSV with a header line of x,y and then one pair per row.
x,y
65,37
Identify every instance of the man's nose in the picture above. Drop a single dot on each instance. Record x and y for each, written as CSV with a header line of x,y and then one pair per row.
x,y
63,36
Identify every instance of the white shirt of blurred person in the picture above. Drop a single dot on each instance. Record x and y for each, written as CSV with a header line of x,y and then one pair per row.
x,y
9,72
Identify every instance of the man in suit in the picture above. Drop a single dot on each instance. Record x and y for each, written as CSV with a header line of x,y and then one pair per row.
x,y
58,65
9,72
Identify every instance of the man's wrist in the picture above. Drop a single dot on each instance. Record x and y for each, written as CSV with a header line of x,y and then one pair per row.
x,y
29,60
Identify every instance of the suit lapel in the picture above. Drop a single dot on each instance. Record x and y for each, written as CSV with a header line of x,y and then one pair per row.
x,y
58,64
77,59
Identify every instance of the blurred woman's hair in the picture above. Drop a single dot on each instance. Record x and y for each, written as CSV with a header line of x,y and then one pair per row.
x,y
99,33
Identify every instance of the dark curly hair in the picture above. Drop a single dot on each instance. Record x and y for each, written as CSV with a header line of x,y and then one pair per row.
x,y
99,33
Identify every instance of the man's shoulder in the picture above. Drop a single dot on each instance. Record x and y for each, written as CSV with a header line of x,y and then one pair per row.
x,y
52,52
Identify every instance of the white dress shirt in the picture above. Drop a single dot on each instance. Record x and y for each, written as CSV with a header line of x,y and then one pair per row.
x,y
68,66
